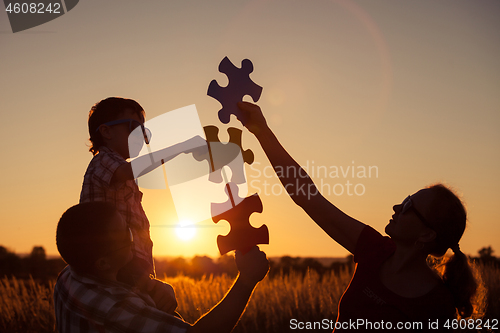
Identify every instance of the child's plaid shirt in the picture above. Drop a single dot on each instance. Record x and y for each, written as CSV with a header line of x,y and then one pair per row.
x,y
85,304
126,197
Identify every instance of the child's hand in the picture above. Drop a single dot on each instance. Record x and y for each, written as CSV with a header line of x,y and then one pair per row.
x,y
196,145
254,119
196,142
162,293
164,296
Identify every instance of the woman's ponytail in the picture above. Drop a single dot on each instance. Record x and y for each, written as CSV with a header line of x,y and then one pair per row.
x,y
450,218
459,279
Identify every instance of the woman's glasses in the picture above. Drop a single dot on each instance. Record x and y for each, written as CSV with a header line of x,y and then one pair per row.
x,y
132,125
407,205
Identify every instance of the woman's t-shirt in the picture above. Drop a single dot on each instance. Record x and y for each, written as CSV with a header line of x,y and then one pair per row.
x,y
368,305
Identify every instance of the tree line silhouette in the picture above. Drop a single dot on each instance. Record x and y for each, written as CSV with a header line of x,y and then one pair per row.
x,y
42,269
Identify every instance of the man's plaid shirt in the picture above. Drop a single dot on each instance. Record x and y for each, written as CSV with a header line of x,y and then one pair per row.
x,y
85,304
126,197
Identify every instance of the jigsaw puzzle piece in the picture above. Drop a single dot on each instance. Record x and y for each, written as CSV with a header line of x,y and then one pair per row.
x,y
235,137
222,156
230,154
242,235
239,85
212,135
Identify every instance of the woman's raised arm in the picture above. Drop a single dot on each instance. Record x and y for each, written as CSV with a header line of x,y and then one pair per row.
x,y
342,228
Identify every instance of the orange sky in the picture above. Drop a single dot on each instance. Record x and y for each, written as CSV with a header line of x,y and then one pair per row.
x,y
408,88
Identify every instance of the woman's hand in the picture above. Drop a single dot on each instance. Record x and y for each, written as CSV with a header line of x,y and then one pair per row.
x,y
252,118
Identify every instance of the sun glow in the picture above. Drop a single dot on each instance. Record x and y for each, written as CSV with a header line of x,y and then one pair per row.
x,y
185,230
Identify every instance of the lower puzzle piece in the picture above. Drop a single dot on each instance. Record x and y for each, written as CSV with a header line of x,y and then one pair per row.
x,y
242,235
239,85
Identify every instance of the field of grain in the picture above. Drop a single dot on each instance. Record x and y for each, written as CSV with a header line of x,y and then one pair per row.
x,y
274,302
27,306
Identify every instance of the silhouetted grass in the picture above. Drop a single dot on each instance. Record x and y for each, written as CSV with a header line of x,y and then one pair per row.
x,y
27,306
273,304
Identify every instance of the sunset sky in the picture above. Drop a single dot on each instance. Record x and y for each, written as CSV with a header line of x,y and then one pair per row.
x,y
408,88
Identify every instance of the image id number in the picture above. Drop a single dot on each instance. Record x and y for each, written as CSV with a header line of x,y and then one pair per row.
x,y
33,8
471,324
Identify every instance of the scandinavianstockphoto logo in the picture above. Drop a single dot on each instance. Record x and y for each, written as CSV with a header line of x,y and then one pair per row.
x,y
25,14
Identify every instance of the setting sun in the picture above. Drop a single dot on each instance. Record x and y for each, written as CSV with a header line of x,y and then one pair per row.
x,y
185,230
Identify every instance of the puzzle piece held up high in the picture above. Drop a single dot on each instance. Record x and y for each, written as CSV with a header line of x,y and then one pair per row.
x,y
239,85
242,235
223,154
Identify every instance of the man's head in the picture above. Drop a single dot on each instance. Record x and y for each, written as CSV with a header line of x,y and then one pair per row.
x,y
94,239
110,110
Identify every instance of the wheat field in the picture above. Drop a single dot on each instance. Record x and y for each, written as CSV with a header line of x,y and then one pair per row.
x,y
27,306
274,302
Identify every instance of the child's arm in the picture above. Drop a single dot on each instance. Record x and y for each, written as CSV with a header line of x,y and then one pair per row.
x,y
123,173
338,225
149,162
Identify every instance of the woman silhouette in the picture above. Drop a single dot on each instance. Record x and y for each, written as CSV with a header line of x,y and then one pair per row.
x,y
393,287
